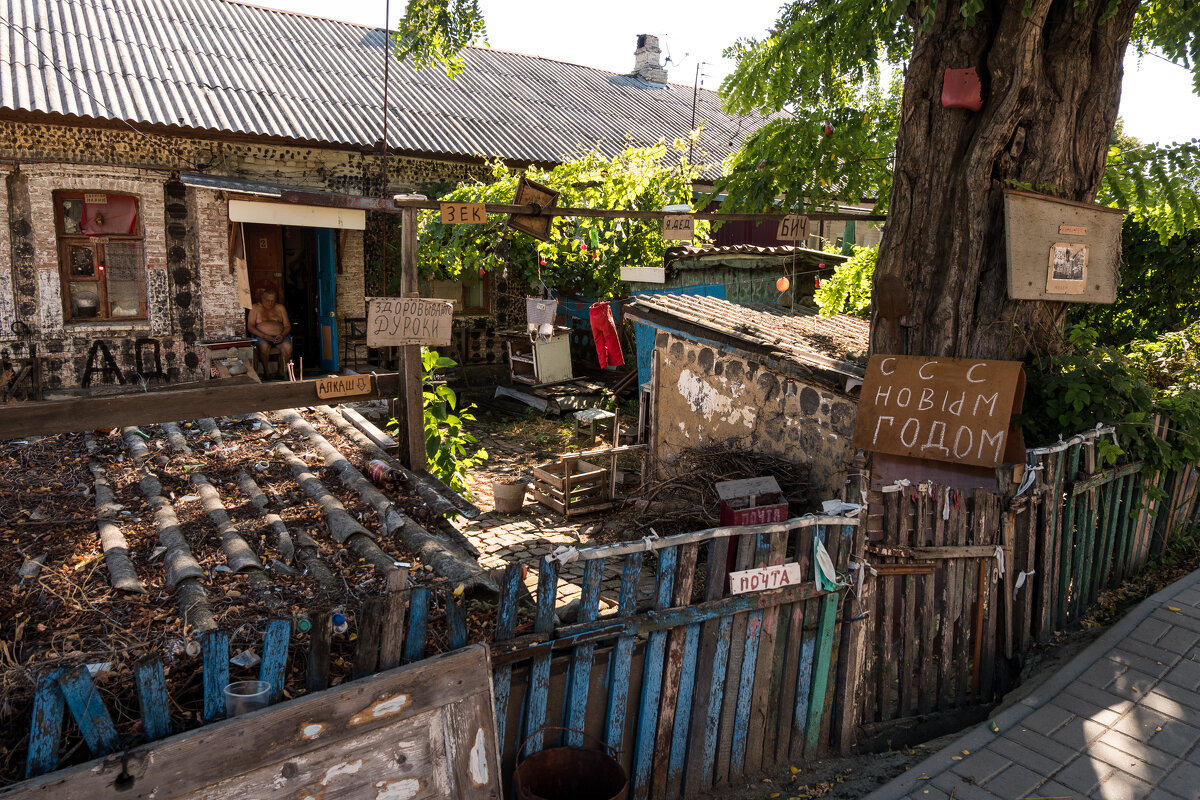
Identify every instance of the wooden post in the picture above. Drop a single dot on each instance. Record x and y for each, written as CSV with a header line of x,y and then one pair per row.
x,y
411,432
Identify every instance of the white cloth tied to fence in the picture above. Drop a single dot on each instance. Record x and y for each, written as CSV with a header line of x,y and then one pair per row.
x,y
1028,478
1021,576
861,568
648,541
838,507
999,562
826,574
897,486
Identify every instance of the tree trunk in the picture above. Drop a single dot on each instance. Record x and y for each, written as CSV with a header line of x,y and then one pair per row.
x,y
1052,84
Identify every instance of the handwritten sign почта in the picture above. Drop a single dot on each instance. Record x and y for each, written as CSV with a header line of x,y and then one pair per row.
x,y
406,321
763,578
944,409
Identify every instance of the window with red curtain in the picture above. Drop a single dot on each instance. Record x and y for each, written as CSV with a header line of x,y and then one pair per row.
x,y
101,256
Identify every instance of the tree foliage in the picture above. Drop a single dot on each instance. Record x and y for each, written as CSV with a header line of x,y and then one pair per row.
x,y
432,33
1159,290
848,290
585,254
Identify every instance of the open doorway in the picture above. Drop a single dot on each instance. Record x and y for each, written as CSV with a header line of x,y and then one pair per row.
x,y
297,264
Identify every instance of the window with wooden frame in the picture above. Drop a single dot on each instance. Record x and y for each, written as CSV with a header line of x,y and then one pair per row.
x,y
101,256
469,295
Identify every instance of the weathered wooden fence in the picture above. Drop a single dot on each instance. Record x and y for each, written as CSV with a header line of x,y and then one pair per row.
x,y
966,582
691,685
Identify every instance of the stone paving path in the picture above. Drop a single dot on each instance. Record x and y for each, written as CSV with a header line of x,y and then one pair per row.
x,y
1119,722
535,531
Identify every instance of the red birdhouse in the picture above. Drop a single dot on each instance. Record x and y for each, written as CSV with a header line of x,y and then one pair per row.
x,y
961,89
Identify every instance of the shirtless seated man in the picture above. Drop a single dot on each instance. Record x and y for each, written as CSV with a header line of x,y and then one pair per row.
x,y
268,325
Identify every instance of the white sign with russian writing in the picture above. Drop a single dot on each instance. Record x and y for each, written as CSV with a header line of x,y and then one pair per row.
x,y
757,580
406,321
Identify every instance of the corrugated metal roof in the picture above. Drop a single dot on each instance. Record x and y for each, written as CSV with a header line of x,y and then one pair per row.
x,y
685,257
804,337
221,66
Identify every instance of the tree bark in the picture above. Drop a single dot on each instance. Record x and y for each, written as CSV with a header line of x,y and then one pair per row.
x,y
1052,85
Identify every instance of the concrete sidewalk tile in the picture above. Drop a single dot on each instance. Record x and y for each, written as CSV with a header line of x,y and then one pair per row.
x,y
1152,661
1039,743
1048,718
1122,787
1150,630
1184,780
1176,738
1186,674
1183,618
1141,723
961,788
928,793
1088,709
1083,774
1078,733
1023,756
1057,791
1099,698
981,765
1015,781
1138,750
1159,793
1134,765
1170,704
1178,640
1132,684
1103,673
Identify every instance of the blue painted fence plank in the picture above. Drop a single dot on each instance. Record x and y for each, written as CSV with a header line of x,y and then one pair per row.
x,y
741,720
89,712
274,657
506,624
575,713
716,698
456,621
539,670
152,697
418,624
215,649
652,678
683,707
622,656
45,728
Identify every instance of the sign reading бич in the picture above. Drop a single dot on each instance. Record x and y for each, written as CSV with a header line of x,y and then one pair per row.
x,y
945,409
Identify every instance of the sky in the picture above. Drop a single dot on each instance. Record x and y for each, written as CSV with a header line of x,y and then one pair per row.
x,y
1157,102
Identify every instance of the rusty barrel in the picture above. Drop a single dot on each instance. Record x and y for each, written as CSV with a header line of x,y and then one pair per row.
x,y
570,773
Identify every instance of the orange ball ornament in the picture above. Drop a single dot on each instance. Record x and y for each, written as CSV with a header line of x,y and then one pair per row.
x,y
783,284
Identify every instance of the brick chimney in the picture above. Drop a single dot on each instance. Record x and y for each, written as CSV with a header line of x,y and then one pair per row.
x,y
645,64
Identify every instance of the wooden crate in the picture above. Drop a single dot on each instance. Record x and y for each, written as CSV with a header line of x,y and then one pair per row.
x,y
572,486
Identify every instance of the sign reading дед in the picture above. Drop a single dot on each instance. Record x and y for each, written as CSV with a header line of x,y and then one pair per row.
x,y
408,320
944,409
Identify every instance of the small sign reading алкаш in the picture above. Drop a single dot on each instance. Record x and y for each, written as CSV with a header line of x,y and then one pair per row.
x,y
407,321
944,409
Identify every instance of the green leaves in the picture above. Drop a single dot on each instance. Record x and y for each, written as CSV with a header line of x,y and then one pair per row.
x,y
1160,184
848,290
447,444
585,253
433,32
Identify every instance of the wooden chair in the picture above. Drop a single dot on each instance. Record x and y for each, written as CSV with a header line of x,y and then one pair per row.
x,y
353,338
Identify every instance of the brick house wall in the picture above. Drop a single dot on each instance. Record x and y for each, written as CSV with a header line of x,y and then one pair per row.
x,y
190,291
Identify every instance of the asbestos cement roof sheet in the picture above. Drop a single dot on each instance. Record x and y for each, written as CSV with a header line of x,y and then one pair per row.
x,y
803,337
217,66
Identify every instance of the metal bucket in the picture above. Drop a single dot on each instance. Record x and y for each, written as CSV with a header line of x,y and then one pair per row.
x,y
570,773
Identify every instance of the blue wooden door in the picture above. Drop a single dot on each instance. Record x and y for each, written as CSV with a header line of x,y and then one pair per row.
x,y
327,298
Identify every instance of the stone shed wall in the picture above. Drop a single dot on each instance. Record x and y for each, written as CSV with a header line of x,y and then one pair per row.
x,y
705,395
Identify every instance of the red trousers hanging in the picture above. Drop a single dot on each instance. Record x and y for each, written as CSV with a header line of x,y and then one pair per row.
x,y
604,331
